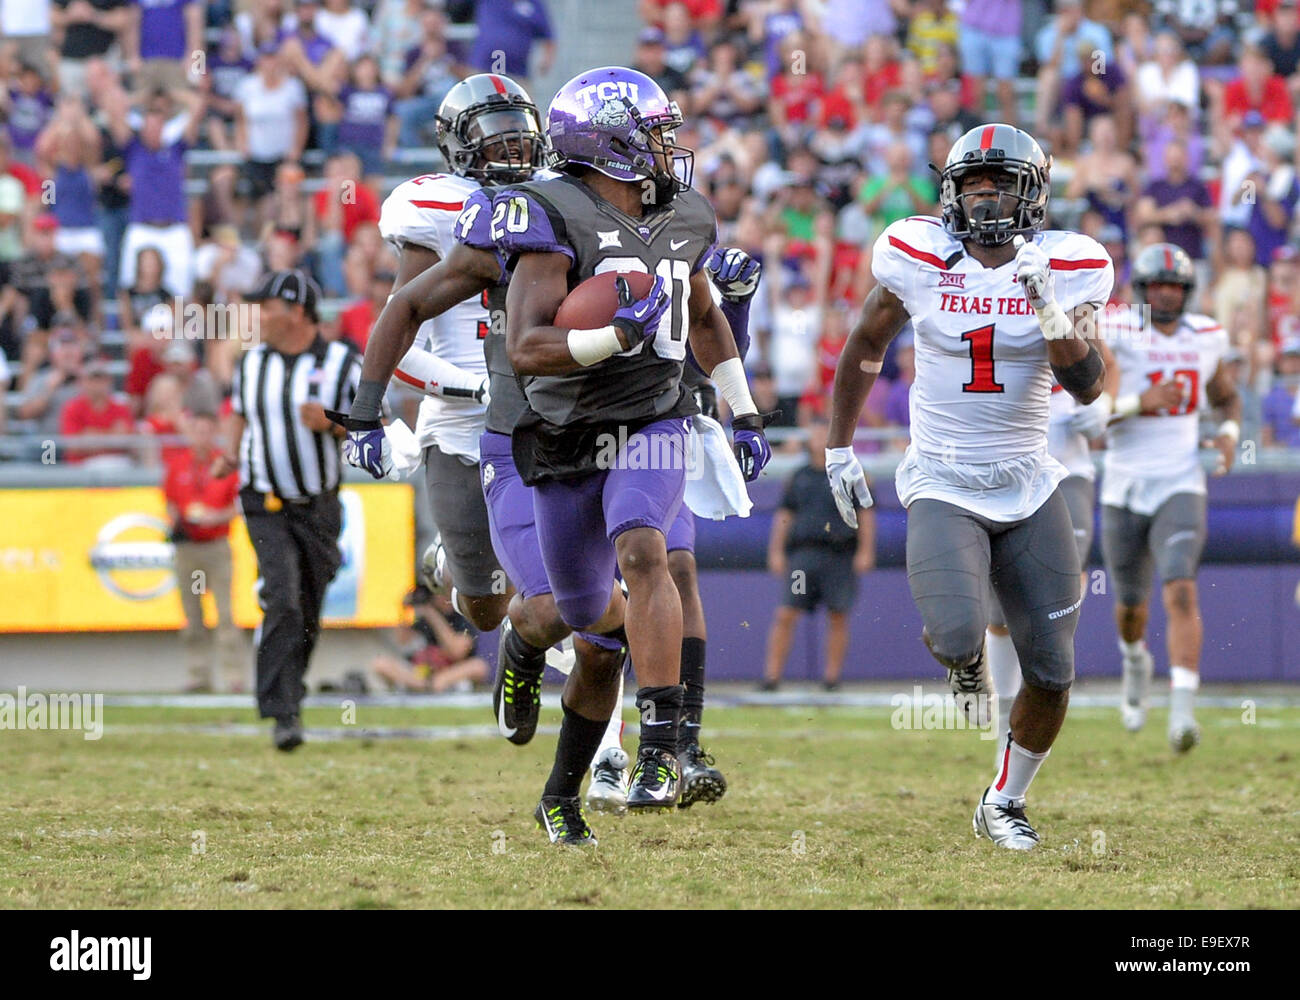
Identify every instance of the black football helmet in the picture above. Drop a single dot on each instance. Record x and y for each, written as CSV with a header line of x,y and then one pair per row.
x,y
1163,263
1019,209
488,129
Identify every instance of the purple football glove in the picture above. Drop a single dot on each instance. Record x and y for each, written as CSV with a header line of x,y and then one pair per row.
x,y
639,318
750,445
735,273
366,446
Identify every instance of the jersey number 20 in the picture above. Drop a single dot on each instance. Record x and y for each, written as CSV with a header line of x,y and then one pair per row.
x,y
677,276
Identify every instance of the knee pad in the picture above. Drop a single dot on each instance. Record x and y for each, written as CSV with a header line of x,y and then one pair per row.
x,y
1050,664
957,649
582,610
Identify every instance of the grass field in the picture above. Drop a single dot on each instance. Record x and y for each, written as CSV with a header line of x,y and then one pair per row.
x,y
828,807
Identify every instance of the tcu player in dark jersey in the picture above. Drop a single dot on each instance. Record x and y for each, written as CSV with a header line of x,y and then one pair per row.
x,y
603,441
472,269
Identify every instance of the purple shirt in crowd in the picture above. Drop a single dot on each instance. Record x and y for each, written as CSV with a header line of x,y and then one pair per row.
x,y
509,27
1277,408
315,48
365,113
1187,235
227,75
157,181
993,17
28,114
162,28
897,409
1268,237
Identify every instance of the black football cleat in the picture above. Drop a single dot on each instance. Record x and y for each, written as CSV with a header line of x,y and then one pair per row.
x,y
287,734
516,694
563,821
654,781
701,781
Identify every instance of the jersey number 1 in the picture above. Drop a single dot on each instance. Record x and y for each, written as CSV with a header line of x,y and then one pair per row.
x,y
981,361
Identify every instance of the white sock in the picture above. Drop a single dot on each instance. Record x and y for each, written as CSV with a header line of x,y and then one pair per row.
x,y
614,730
1132,649
1015,771
1182,695
1002,741
1004,666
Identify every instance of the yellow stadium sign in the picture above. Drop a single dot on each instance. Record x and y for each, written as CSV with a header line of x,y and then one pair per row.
x,y
99,560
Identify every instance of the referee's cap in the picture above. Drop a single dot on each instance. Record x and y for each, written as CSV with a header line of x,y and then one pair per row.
x,y
292,285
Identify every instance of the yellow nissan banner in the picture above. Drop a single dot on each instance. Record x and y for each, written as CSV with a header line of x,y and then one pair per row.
x,y
99,560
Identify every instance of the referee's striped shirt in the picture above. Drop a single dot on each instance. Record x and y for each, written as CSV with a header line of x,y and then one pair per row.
x,y
278,454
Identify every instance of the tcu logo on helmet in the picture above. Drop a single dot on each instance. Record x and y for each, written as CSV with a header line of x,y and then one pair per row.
x,y
607,90
612,114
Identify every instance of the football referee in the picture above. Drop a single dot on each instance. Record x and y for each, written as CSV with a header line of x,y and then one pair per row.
x,y
289,468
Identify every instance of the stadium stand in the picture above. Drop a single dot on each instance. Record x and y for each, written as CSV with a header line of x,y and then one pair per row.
x,y
814,122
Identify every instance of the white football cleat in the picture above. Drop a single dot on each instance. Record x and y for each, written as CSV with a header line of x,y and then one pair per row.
x,y
1005,825
1137,682
608,789
1184,733
433,566
972,690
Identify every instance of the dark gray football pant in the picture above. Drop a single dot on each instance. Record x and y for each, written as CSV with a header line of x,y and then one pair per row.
x,y
953,554
1079,493
1170,540
460,515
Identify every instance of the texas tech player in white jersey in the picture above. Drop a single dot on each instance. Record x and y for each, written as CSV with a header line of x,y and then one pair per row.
x,y
1150,458
983,383
999,309
1167,370
422,212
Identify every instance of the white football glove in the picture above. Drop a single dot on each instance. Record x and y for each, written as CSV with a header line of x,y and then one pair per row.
x,y
1091,420
1034,273
848,483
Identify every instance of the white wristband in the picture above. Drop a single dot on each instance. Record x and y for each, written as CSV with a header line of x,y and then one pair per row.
x,y
1128,406
731,382
591,346
1231,429
1054,323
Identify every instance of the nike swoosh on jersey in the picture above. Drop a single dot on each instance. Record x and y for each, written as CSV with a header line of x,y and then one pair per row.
x,y
677,244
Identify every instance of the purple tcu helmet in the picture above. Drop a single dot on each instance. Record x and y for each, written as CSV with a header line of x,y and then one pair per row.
x,y
488,130
616,120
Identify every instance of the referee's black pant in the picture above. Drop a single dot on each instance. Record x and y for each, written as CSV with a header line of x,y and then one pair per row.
x,y
297,556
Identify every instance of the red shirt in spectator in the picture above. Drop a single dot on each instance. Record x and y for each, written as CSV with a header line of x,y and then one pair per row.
x,y
798,94
188,481
145,366
81,416
355,322
356,211
1274,104
874,85
158,425
701,11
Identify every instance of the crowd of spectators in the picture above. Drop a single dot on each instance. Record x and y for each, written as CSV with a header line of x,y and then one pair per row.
x,y
159,148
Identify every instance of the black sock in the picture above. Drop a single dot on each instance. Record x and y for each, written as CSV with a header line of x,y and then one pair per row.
x,y
693,681
523,652
661,710
579,740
